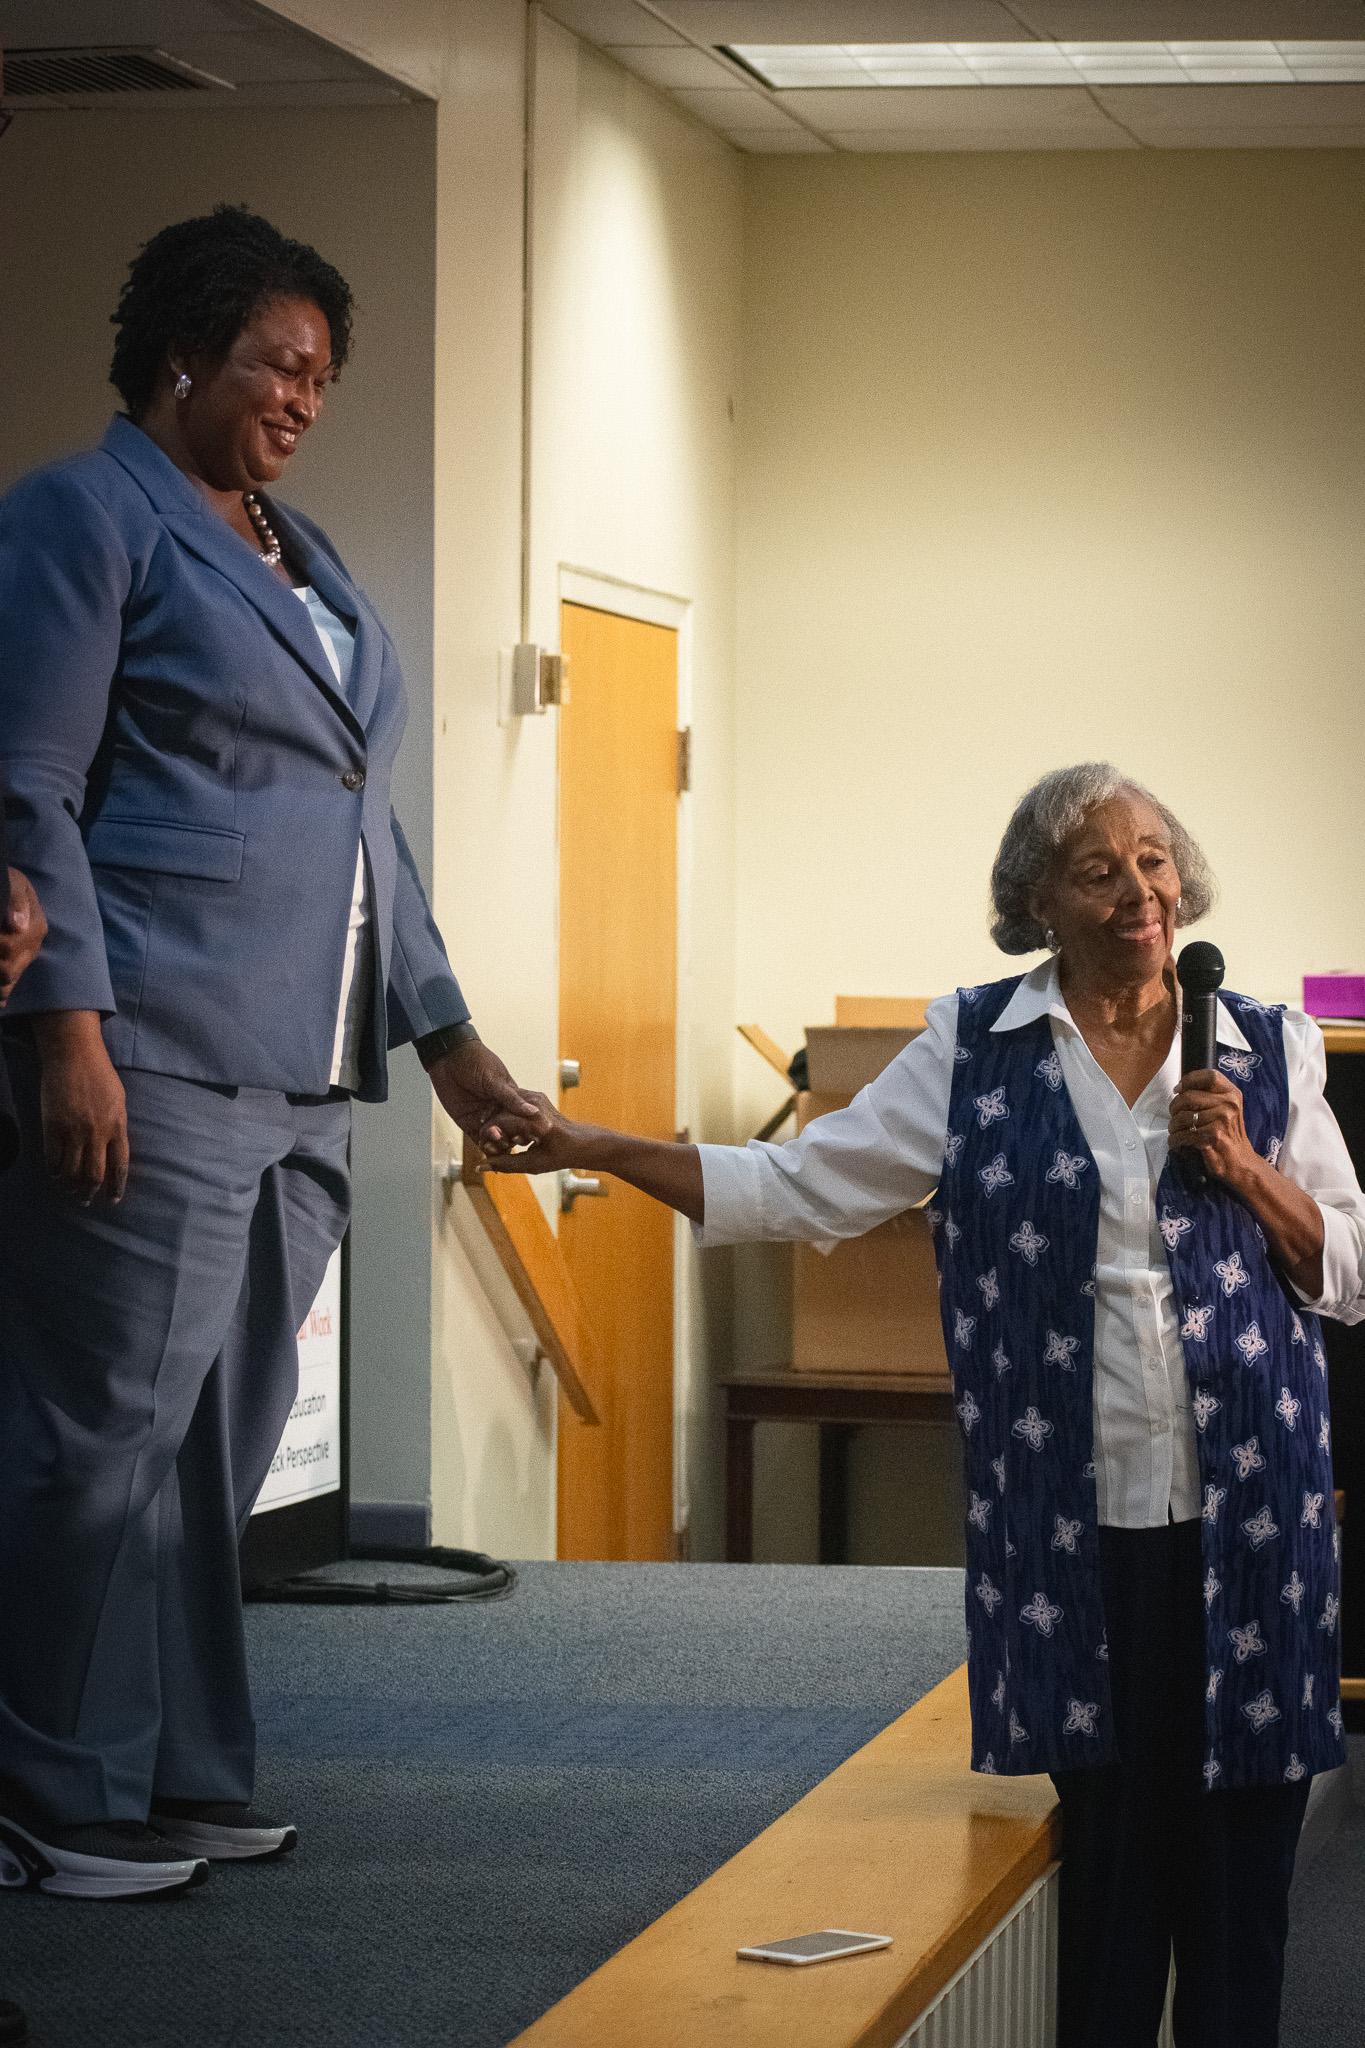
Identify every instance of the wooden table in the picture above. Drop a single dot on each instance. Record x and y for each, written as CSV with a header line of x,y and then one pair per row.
x,y
837,1403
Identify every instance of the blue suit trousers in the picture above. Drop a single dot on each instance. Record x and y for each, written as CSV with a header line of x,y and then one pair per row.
x,y
148,1363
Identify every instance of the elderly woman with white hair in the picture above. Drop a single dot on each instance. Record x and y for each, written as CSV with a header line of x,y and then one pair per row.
x,y
1151,1558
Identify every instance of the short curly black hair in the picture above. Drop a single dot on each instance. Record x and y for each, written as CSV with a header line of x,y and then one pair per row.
x,y
195,285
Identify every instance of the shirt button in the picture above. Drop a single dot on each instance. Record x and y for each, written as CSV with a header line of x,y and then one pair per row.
x,y
354,778
1136,1197
1130,1144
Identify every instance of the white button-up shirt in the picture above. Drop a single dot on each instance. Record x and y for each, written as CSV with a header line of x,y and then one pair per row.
x,y
357,967
857,1167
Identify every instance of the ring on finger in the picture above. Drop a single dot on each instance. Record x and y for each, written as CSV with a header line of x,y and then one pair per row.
x,y
1194,1120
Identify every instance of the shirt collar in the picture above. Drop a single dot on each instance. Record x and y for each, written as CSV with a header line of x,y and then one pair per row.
x,y
1039,994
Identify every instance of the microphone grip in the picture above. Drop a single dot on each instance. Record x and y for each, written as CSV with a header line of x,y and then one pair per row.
x,y
1198,1039
1198,1051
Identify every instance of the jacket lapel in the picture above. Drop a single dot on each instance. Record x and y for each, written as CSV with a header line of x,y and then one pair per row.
x,y
212,540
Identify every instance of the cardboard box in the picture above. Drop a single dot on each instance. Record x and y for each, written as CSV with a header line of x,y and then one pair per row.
x,y
881,1010
840,1060
871,1305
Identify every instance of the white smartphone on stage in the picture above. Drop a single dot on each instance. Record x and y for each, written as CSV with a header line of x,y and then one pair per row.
x,y
822,1947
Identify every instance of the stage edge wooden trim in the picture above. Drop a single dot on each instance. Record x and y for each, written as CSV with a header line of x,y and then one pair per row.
x,y
517,1229
902,1839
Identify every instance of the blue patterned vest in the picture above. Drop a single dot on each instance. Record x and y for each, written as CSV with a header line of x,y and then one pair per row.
x,y
1015,1222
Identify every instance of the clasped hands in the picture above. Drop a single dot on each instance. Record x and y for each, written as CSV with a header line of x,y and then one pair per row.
x,y
476,1091
536,1139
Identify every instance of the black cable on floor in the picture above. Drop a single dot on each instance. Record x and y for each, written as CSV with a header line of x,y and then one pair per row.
x,y
480,1578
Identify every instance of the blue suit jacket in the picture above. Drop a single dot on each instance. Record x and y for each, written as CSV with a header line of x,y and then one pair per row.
x,y
187,785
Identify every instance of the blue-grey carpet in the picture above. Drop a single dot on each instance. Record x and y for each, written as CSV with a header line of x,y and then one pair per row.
x,y
1324,1990
492,1799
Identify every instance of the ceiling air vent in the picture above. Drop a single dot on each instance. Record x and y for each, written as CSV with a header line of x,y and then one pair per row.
x,y
81,74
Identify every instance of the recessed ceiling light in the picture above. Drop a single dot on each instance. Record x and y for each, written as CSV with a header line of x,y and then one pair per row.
x,y
792,67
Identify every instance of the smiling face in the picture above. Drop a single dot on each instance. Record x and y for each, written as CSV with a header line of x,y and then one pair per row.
x,y
247,410
1112,895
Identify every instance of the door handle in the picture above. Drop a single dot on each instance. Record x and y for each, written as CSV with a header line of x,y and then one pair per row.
x,y
574,1185
570,1073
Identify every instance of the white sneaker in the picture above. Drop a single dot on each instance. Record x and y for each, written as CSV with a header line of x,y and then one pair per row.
x,y
119,1859
225,1834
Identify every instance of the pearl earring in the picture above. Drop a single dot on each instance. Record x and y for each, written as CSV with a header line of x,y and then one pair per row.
x,y
182,385
1050,939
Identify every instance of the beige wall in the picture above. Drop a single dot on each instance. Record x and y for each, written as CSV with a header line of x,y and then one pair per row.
x,y
1045,458
636,299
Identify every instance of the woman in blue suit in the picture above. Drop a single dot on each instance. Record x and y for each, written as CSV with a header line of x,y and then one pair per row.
x,y
199,713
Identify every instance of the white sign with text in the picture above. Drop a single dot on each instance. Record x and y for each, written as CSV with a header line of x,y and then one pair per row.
x,y
308,1461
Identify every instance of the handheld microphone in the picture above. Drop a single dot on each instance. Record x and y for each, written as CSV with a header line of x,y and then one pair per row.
x,y
1200,971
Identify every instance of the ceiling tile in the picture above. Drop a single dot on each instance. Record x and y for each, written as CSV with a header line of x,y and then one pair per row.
x,y
1159,21
734,110
968,108
864,140
846,21
673,69
1264,108
613,21
778,142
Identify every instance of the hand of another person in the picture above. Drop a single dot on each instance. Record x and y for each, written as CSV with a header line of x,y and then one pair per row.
x,y
474,1087
1207,1119
85,1121
550,1141
669,1170
22,932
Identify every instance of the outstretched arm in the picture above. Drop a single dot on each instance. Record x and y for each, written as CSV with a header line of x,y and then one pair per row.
x,y
669,1172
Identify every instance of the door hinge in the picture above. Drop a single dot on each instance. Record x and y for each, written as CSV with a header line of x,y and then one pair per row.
x,y
538,680
684,760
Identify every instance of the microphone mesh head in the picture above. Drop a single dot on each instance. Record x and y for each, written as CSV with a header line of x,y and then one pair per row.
x,y
1200,968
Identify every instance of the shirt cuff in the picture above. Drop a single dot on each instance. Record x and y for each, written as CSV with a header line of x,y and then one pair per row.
x,y
731,1195
1341,1275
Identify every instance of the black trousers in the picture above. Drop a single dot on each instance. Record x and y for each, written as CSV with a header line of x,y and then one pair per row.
x,y
1152,1864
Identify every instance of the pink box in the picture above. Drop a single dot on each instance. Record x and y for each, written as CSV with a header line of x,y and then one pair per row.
x,y
1334,995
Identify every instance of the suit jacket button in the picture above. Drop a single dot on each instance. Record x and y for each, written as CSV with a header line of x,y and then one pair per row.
x,y
354,778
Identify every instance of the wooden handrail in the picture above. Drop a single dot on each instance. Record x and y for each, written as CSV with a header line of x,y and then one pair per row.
x,y
533,1262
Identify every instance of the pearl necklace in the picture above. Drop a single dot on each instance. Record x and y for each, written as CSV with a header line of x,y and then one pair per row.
x,y
271,551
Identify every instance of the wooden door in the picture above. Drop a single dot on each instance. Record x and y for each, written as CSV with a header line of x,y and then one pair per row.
x,y
618,1019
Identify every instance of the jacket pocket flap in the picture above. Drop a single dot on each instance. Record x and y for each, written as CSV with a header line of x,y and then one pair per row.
x,y
166,849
